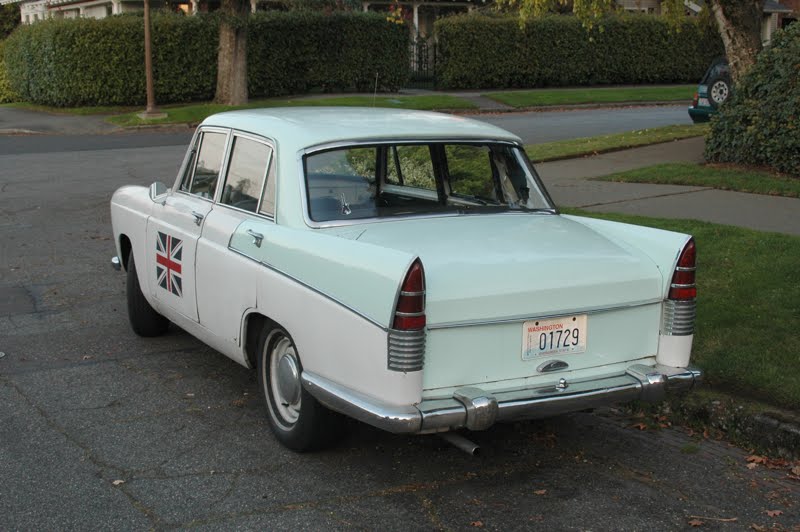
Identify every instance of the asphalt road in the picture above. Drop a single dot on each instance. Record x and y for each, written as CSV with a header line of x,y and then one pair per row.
x,y
77,133
100,429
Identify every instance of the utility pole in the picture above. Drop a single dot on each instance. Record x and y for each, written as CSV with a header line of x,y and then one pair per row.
x,y
150,113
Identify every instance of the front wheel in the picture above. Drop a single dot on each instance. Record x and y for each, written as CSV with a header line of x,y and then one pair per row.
x,y
298,420
145,321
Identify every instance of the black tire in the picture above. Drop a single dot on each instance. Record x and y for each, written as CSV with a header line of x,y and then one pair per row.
x,y
145,321
719,90
298,420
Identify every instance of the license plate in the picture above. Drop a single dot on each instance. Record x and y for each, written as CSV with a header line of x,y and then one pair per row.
x,y
703,102
557,336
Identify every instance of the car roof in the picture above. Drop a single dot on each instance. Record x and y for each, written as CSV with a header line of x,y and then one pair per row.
x,y
311,126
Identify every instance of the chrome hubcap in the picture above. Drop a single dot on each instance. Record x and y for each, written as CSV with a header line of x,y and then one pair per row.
x,y
289,379
284,380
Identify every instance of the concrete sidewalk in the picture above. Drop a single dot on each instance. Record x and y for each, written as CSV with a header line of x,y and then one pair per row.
x,y
569,185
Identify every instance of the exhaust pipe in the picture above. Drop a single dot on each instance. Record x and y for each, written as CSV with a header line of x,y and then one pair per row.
x,y
471,448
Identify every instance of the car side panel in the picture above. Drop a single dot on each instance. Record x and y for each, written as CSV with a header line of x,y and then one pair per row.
x,y
362,277
334,342
130,209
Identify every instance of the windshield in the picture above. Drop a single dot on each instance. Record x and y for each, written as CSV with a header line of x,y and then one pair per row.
x,y
423,178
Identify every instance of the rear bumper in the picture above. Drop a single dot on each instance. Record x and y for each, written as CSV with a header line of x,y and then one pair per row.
x,y
700,114
476,409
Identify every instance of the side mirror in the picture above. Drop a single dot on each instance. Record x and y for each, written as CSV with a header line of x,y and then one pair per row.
x,y
158,189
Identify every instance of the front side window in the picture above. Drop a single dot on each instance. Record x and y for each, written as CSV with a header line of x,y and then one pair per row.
x,y
425,178
246,172
209,164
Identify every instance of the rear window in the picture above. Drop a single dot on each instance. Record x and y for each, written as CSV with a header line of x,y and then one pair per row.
x,y
415,179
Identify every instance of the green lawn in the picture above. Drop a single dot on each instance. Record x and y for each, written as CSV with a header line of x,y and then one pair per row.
x,y
537,97
592,145
714,176
195,113
748,310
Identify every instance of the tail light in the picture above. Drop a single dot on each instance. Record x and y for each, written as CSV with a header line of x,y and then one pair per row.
x,y
695,99
683,285
410,311
406,347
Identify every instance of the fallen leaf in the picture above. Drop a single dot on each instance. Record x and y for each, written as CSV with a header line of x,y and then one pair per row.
x,y
796,470
539,492
640,426
751,465
696,522
476,524
754,458
705,433
774,513
758,528
87,357
118,482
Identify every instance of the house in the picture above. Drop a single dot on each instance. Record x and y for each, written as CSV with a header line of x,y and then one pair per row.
x,y
776,14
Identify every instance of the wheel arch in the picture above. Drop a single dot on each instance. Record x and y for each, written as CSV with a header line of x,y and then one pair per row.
x,y
125,247
254,323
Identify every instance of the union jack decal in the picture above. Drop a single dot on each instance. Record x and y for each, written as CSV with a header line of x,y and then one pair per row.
x,y
169,251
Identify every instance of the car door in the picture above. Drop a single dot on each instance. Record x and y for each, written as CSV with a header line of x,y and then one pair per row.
x,y
227,280
176,225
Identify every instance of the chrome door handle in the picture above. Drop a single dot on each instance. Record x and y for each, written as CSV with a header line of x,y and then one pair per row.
x,y
197,217
257,237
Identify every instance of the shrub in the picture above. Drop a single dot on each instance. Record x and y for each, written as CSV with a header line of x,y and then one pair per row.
x,y
100,62
479,51
299,50
6,94
759,124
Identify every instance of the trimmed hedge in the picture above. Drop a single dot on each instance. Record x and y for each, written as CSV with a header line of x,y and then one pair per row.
x,y
759,124
73,62
293,52
100,62
479,51
6,94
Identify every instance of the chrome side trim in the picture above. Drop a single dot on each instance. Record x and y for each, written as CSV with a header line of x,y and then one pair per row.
x,y
477,409
306,285
406,350
527,317
678,317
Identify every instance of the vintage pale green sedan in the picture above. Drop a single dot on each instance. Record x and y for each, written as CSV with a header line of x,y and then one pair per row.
x,y
406,269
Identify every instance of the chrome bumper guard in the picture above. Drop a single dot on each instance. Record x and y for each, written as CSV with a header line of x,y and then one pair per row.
x,y
115,263
476,409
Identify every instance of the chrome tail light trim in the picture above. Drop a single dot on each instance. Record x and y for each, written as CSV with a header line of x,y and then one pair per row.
x,y
678,317
406,350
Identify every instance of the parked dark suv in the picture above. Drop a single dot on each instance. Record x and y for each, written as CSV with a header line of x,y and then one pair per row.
x,y
714,89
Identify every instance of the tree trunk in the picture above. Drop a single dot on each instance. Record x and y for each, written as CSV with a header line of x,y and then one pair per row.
x,y
232,58
739,23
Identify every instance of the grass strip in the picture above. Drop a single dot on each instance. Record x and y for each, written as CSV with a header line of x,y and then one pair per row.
x,y
195,113
543,97
563,149
722,177
748,307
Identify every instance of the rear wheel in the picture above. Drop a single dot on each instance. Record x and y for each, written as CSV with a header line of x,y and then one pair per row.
x,y
298,420
145,321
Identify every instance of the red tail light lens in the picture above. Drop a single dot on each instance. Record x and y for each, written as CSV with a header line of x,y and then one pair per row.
x,y
410,311
683,280
695,99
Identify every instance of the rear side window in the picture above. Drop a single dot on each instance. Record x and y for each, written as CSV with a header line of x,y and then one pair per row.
x,y
209,164
246,173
